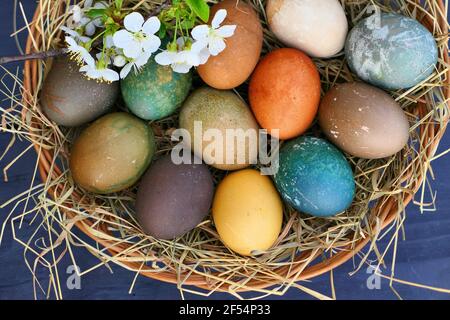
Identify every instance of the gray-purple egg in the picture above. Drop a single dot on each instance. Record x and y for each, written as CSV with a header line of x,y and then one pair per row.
x,y
70,99
173,199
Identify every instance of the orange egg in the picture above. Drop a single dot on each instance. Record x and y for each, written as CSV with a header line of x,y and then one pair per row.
x,y
284,92
234,65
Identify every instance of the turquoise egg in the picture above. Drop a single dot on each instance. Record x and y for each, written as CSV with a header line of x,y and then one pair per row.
x,y
155,92
314,177
391,51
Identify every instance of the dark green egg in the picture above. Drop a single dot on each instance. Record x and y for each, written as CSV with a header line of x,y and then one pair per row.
x,y
314,177
155,92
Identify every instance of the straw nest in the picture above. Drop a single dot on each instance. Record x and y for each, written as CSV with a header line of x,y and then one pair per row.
x,y
198,262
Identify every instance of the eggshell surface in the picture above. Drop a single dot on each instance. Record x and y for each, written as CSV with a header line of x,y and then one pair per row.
x,y
233,66
284,92
156,91
217,112
172,199
364,121
391,51
317,27
247,212
314,177
70,99
112,153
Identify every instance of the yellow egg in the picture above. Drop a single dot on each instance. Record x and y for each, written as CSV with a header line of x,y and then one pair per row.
x,y
247,212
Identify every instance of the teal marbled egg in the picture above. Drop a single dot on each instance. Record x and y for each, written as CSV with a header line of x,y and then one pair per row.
x,y
156,91
391,51
314,177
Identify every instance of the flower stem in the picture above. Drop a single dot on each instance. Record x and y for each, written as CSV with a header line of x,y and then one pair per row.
x,y
33,56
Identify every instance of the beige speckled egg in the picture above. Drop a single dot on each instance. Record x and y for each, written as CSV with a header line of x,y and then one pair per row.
x,y
222,129
317,27
364,121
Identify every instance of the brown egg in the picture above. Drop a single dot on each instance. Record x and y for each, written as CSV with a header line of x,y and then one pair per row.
x,y
284,92
364,121
70,99
234,65
173,199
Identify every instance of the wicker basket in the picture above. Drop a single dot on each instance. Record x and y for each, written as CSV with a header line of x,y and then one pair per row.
x,y
386,209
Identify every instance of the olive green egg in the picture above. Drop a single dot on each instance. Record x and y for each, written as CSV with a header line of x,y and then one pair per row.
x,y
70,99
155,91
112,153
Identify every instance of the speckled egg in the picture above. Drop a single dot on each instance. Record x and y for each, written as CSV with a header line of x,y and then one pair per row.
x,y
391,51
364,121
317,27
156,91
233,66
247,212
222,130
112,153
173,198
314,177
70,99
284,92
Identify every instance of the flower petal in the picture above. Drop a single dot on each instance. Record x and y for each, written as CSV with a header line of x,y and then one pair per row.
x,y
69,31
204,56
151,43
164,58
142,59
133,50
87,58
200,32
122,38
133,22
89,29
181,67
198,46
216,46
151,26
226,31
87,4
192,58
218,18
119,61
109,75
126,70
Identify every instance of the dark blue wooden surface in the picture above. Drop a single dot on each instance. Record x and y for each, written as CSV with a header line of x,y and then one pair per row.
x,y
424,257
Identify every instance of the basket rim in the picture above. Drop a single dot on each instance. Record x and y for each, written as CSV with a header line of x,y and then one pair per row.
x,y
386,208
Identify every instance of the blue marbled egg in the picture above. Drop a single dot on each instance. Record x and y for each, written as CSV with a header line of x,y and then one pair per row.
x,y
391,51
314,177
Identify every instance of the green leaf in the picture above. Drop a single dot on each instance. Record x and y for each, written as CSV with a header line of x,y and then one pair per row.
x,y
95,13
119,4
200,7
162,31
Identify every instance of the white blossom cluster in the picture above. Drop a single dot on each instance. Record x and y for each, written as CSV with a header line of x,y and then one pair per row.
x,y
131,47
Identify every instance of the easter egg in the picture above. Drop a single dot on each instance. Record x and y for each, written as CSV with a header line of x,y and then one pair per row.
x,y
317,27
70,99
233,66
314,177
173,198
284,92
391,51
112,153
156,91
247,212
364,121
222,130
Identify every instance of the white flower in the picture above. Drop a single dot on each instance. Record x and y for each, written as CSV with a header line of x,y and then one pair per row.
x,y
139,36
79,53
79,20
75,35
183,59
136,63
213,37
97,72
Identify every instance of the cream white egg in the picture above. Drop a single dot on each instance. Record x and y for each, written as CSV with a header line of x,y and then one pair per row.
x,y
317,27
